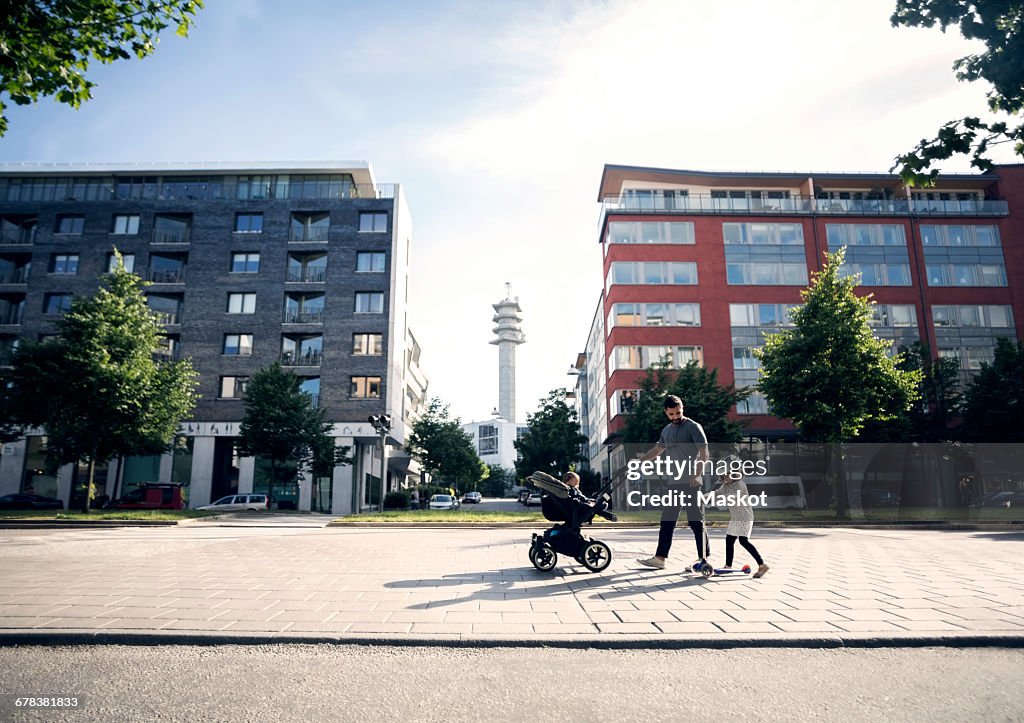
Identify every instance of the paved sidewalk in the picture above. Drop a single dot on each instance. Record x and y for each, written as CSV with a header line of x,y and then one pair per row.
x,y
223,582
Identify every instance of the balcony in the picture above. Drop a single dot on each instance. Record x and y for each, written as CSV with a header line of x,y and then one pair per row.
x,y
309,275
166,276
170,237
297,316
659,201
303,359
15,276
18,237
309,235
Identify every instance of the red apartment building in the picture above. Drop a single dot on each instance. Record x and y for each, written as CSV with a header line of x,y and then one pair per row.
x,y
700,265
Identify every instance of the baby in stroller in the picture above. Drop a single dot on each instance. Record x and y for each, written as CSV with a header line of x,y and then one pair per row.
x,y
563,502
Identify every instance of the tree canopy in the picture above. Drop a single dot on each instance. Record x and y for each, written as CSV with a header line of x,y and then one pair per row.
x,y
46,45
994,399
704,400
444,450
552,442
999,25
829,373
96,388
281,425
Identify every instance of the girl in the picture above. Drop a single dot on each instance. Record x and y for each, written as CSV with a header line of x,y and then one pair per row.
x,y
741,516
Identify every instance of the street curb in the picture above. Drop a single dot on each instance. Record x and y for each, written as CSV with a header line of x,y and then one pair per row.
x,y
569,641
57,524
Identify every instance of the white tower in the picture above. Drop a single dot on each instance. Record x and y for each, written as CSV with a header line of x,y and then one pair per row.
x,y
508,317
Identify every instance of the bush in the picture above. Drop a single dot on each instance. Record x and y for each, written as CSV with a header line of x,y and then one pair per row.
x,y
396,501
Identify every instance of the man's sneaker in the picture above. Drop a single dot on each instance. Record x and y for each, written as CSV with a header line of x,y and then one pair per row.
x,y
761,570
655,562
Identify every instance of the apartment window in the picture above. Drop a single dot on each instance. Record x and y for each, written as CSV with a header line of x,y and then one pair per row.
x,y
370,262
642,357
365,388
369,302
245,263
127,259
955,235
167,269
865,234
167,308
310,227
302,351
237,345
651,232
761,314
877,274
766,274
171,229
367,344
373,221
70,223
126,224
304,308
64,263
241,303
624,401
653,272
982,316
966,274
902,315
308,268
311,386
233,387
775,234
654,314
56,303
248,223
487,439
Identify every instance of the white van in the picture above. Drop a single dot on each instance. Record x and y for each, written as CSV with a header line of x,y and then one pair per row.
x,y
781,492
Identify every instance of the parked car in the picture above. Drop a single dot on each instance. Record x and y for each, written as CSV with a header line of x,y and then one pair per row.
x,y
151,496
473,498
239,503
533,499
442,502
995,499
28,501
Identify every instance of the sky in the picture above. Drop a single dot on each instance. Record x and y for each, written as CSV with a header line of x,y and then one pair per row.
x,y
497,119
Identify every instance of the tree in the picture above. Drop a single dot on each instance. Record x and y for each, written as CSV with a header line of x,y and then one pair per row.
x,y
498,481
994,400
999,24
704,400
939,402
325,455
443,448
47,44
96,388
552,442
281,424
829,373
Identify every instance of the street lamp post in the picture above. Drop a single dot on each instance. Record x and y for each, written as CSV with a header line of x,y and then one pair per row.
x,y
382,423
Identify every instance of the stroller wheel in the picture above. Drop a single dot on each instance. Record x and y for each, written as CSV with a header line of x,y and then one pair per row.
x,y
596,556
543,558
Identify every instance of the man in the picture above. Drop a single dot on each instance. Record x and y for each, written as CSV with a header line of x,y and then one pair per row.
x,y
685,438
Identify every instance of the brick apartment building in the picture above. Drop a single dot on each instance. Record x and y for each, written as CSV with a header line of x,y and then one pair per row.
x,y
301,263
700,265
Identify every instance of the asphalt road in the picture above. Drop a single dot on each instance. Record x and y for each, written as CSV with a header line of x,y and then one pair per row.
x,y
343,682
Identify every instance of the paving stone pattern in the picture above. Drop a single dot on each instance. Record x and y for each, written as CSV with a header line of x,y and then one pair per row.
x,y
475,583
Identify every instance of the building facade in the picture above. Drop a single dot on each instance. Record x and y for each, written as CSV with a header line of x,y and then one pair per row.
x,y
249,264
699,266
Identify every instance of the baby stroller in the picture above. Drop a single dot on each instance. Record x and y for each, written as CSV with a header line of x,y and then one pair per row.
x,y
565,538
